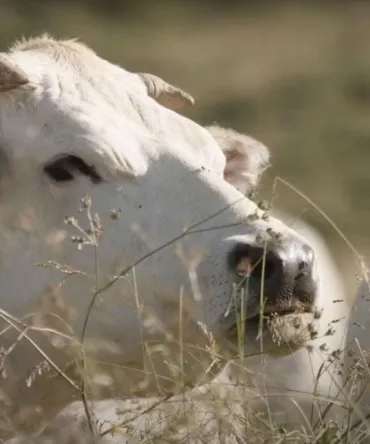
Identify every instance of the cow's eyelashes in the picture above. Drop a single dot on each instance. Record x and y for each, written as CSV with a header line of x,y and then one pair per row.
x,y
67,167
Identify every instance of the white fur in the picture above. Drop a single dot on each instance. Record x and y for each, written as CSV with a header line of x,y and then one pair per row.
x,y
281,382
164,173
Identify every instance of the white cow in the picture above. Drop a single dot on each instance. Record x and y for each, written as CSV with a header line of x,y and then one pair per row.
x,y
155,263
236,391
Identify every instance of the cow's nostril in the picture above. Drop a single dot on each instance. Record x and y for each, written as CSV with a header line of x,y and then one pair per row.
x,y
255,262
264,268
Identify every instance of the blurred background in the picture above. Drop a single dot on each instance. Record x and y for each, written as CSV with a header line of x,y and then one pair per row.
x,y
294,74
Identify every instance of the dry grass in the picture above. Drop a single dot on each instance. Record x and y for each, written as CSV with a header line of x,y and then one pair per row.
x,y
229,410
296,77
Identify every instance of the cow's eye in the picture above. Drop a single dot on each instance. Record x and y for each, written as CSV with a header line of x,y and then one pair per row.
x,y
68,167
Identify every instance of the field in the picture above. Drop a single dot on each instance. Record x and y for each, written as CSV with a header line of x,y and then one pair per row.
x,y
295,75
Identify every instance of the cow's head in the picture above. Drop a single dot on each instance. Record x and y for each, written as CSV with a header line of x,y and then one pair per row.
x,y
165,192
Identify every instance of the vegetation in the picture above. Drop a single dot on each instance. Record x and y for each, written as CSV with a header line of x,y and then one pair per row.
x,y
294,74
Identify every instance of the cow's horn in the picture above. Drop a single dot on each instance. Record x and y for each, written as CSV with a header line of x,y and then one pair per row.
x,y
164,93
11,76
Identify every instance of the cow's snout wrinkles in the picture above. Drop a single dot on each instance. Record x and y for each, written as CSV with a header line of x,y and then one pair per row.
x,y
283,274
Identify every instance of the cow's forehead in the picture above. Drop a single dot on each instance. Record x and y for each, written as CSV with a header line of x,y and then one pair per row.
x,y
75,58
72,79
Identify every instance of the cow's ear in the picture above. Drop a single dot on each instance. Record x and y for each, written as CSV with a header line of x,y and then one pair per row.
x,y
11,76
246,158
164,93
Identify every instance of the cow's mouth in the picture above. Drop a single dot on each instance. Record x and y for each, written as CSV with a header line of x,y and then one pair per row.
x,y
271,312
291,321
